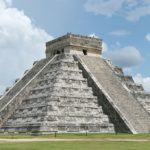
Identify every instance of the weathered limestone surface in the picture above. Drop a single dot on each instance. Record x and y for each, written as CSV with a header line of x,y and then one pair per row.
x,y
20,83
132,113
13,98
74,44
59,101
74,90
136,90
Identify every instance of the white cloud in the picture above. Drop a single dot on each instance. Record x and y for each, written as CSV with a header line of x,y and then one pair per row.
x,y
145,81
132,10
4,4
104,47
8,2
93,35
103,7
21,43
131,3
148,37
119,33
137,13
125,57
127,71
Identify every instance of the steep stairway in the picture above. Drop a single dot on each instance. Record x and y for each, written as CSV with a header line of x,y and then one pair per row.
x,y
128,108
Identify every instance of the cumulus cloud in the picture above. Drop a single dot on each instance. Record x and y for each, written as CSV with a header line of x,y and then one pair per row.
x,y
104,47
125,57
142,9
119,33
145,81
103,7
132,10
21,43
148,37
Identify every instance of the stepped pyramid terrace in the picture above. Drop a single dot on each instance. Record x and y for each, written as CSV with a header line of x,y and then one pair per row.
x,y
74,89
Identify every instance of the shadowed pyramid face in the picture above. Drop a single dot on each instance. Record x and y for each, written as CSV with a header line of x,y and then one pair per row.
x,y
74,44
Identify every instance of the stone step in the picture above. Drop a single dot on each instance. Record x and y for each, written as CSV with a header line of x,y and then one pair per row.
x,y
64,80
60,96
60,107
142,94
62,125
144,100
58,99
65,61
60,87
78,119
16,116
62,91
118,71
22,125
135,87
64,74
55,102
62,104
58,82
30,120
103,128
126,79
62,70
63,65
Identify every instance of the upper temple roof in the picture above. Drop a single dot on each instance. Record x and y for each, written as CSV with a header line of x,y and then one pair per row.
x,y
74,43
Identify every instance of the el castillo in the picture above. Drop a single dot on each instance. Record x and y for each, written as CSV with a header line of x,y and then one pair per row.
x,y
73,90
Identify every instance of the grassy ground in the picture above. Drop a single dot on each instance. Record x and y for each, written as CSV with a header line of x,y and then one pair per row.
x,y
78,136
76,146
92,145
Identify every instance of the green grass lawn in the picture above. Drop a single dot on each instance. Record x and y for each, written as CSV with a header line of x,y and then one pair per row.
x,y
78,136
92,145
76,146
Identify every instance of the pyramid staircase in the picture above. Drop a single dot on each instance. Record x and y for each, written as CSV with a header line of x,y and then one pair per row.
x,y
123,103
56,99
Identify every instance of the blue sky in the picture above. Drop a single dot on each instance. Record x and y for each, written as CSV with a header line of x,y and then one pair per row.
x,y
25,26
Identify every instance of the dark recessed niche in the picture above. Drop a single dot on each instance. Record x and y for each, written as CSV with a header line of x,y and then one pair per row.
x,y
84,51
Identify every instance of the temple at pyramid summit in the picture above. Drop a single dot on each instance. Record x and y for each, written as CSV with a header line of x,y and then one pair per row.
x,y
75,90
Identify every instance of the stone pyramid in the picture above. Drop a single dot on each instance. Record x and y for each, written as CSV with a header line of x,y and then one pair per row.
x,y
75,90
